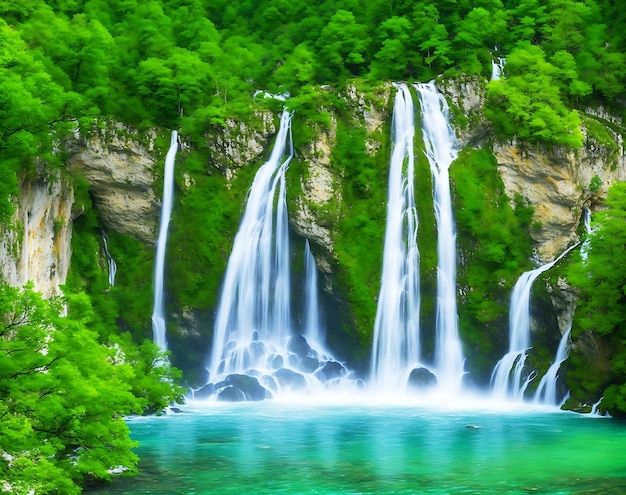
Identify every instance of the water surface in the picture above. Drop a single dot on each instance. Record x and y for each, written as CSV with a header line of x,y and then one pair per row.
x,y
277,448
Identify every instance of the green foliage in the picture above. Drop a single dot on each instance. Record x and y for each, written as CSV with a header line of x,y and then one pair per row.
x,y
360,231
63,395
527,103
197,243
595,184
493,240
600,279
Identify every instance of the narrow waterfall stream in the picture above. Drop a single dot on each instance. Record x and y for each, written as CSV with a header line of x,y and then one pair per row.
x,y
158,312
497,66
396,347
547,392
441,150
110,260
313,329
508,379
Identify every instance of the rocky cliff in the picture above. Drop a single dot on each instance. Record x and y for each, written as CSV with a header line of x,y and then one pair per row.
x,y
121,167
36,245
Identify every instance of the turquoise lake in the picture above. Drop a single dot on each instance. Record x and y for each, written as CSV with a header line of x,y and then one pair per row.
x,y
368,448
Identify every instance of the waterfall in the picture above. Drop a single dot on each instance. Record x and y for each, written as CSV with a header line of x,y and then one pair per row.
x,y
112,265
546,390
504,385
441,150
396,328
253,333
313,330
254,303
158,316
497,66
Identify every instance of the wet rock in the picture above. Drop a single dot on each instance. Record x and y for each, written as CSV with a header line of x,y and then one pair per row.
x,y
299,346
421,378
289,378
231,394
244,386
330,371
204,392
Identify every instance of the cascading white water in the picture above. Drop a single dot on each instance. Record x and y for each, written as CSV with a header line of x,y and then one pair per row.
x,y
441,150
253,332
396,347
254,303
313,330
111,261
158,316
497,66
507,375
546,392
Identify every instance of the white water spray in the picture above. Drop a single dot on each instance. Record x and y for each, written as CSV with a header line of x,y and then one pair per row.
x,y
507,376
158,316
497,66
441,150
546,392
111,261
396,329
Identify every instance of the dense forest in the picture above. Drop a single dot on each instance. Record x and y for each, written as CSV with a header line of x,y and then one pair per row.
x,y
73,65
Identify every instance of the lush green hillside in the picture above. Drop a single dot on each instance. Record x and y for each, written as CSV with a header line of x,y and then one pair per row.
x,y
192,65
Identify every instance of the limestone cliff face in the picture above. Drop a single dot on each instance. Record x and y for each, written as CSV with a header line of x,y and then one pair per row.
x,y
319,205
319,190
554,181
36,246
238,143
120,168
557,183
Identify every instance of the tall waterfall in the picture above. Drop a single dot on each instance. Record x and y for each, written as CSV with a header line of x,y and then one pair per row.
x,y
441,150
253,333
111,261
546,392
507,380
158,317
396,328
254,303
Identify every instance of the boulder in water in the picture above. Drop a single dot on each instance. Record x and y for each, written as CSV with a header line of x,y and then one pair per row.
x,y
289,378
422,378
204,392
248,386
299,346
330,371
231,394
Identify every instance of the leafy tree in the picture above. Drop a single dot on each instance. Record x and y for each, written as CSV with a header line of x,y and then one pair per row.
x,y
528,104
342,46
602,306
297,70
62,395
393,59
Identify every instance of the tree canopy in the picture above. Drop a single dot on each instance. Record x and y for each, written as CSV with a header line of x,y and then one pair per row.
x,y
173,63
63,394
